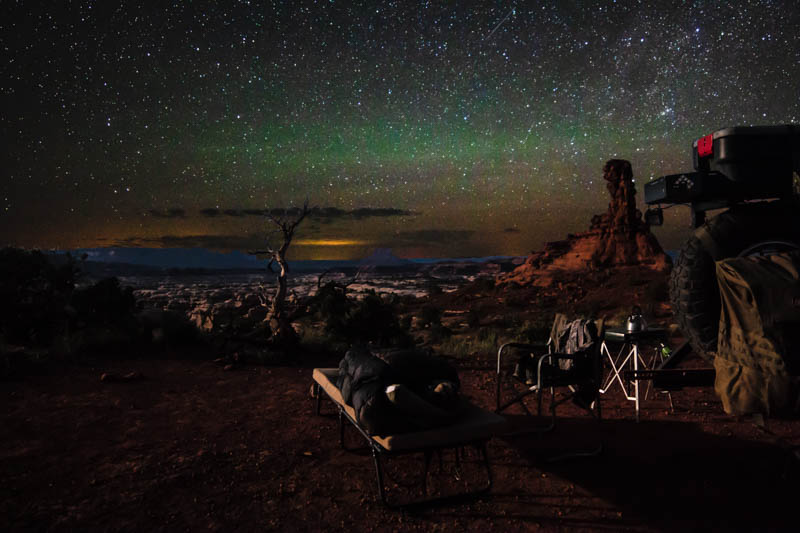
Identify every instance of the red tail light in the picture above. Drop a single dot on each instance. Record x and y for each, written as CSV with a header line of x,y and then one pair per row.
x,y
705,145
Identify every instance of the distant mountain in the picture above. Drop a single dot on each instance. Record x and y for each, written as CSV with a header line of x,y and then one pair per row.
x,y
166,258
383,257
119,261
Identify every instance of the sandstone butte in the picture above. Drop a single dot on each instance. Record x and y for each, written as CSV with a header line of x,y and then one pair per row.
x,y
617,238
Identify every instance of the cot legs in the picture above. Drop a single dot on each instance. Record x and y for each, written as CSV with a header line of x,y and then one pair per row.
x,y
481,449
379,454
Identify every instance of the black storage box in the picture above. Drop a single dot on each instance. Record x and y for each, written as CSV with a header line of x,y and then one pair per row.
x,y
750,153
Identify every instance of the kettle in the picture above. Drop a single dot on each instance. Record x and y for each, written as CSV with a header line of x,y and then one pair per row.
x,y
635,322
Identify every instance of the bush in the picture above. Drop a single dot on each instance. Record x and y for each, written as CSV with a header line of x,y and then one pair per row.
x,y
42,308
473,318
330,304
484,285
433,288
532,332
439,332
486,342
517,300
105,302
371,319
162,327
429,316
34,293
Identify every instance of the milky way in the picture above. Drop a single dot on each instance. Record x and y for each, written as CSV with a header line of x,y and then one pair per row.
x,y
480,128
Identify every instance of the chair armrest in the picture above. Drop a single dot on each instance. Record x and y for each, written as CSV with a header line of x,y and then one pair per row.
x,y
525,347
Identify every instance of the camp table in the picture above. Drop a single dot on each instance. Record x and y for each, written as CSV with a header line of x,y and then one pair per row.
x,y
629,357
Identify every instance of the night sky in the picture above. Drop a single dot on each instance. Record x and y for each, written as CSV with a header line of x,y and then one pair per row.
x,y
437,129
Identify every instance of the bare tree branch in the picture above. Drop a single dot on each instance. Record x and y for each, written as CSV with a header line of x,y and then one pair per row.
x,y
286,224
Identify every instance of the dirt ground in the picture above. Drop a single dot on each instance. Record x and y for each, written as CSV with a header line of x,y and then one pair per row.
x,y
190,447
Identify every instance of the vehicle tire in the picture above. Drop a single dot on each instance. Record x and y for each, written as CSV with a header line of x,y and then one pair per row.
x,y
743,230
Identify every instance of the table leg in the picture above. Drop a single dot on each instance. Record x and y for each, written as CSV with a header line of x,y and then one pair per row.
x,y
636,381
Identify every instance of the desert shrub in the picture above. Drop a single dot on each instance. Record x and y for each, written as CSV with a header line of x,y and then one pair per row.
x,y
440,332
405,299
473,318
42,307
483,285
166,328
318,339
517,300
433,288
457,346
429,316
486,342
371,319
531,332
506,321
34,293
486,333
330,305
105,302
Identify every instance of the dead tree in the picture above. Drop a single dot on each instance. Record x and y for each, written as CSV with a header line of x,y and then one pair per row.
x,y
286,223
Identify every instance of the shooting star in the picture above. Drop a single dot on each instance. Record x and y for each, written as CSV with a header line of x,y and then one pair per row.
x,y
512,11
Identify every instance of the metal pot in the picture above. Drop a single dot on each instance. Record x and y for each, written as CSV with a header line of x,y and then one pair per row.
x,y
635,322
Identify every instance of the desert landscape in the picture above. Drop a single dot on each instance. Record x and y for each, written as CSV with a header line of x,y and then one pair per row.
x,y
182,414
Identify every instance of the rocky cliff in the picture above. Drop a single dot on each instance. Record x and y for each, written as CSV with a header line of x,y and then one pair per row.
x,y
619,237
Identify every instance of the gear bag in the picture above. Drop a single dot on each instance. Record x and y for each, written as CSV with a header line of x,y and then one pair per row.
x,y
758,348
575,337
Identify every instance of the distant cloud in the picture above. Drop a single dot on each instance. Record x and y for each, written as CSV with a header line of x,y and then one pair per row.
x,y
366,212
328,213
168,213
433,236
512,230
324,214
211,242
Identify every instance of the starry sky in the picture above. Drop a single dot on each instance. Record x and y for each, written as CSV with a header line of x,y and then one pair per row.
x,y
437,129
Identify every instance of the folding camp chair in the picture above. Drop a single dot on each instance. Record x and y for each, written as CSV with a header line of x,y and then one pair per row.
x,y
550,369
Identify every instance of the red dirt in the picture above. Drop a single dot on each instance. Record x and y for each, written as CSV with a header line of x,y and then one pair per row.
x,y
193,447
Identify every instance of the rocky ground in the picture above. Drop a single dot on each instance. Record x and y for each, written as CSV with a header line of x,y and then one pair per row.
x,y
186,445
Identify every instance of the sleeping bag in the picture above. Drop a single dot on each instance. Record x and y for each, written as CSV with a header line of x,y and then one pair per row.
x,y
398,391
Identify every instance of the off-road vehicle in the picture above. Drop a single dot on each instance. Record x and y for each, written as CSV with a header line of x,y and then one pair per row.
x,y
753,175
